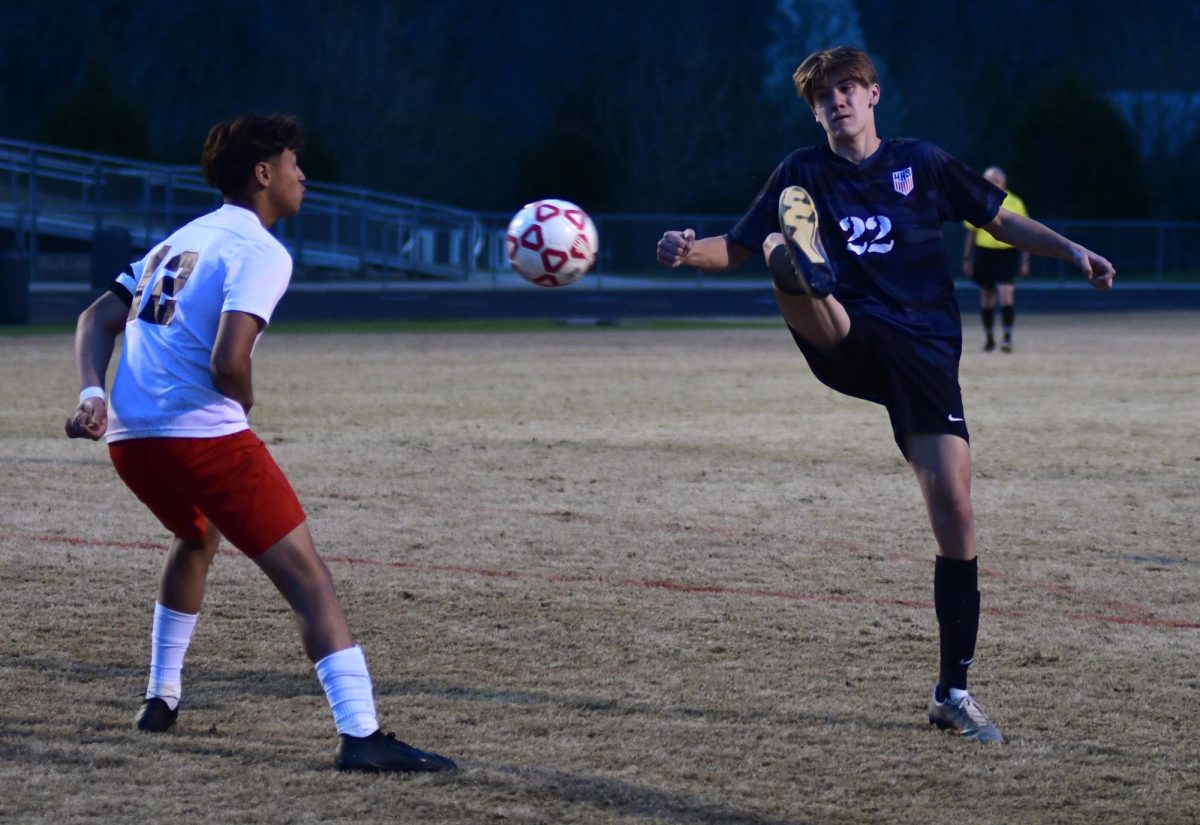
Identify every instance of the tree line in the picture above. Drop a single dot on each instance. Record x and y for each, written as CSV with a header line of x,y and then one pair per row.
x,y
626,106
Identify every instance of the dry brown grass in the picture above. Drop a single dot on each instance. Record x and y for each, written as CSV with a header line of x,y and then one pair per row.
x,y
631,576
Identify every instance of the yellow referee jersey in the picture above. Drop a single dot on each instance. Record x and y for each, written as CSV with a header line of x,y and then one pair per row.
x,y
983,239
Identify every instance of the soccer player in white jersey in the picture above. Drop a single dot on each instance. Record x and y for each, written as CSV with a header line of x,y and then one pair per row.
x,y
178,434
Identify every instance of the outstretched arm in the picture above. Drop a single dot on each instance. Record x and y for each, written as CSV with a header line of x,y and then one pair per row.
x,y
1030,236
714,254
96,334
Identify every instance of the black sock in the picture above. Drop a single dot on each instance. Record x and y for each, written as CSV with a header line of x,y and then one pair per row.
x,y
956,601
989,320
783,274
1007,314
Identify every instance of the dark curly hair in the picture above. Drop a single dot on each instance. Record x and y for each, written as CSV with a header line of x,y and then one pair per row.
x,y
234,146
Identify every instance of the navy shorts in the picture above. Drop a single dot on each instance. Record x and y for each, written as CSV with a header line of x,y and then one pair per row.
x,y
995,266
881,363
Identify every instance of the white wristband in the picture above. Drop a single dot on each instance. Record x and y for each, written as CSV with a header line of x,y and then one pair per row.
x,y
91,392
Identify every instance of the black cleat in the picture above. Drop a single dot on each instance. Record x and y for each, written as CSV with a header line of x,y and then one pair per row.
x,y
990,344
798,223
380,752
155,716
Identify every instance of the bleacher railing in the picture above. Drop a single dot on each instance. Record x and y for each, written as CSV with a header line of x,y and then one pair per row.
x,y
349,235
50,192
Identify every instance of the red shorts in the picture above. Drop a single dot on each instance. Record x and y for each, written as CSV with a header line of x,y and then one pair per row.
x,y
231,480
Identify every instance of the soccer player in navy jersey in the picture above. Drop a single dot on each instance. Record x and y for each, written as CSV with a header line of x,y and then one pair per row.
x,y
852,234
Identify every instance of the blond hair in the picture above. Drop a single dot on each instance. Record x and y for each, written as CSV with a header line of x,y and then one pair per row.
x,y
843,61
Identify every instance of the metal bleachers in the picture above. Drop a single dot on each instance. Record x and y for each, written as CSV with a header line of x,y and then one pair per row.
x,y
51,192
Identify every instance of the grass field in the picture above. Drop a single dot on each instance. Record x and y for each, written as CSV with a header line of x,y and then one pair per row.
x,y
630,575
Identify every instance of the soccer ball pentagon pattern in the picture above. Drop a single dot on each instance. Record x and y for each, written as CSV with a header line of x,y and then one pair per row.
x,y
552,242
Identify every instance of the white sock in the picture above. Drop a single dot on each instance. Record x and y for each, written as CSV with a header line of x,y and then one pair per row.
x,y
347,686
168,645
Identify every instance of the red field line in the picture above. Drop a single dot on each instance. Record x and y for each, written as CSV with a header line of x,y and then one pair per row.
x,y
1125,609
1141,615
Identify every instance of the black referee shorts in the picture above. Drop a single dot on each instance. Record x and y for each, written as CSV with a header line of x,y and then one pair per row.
x,y
995,266
879,362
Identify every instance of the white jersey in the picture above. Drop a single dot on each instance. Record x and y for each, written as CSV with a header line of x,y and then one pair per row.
x,y
221,261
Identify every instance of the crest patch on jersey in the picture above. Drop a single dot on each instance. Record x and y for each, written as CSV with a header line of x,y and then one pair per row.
x,y
902,181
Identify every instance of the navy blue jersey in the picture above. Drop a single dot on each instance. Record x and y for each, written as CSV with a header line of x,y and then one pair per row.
x,y
881,226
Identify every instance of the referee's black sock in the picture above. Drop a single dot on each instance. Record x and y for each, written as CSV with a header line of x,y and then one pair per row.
x,y
1007,315
989,319
956,601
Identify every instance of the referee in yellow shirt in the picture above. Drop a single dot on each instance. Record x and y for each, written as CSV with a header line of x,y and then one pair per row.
x,y
993,265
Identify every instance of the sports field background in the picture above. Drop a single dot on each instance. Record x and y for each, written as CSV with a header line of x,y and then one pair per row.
x,y
630,575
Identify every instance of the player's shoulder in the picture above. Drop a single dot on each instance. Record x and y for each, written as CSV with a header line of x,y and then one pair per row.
x,y
803,157
805,153
916,149
241,233
265,244
801,166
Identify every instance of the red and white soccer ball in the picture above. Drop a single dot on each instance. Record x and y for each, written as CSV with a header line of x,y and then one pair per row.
x,y
552,242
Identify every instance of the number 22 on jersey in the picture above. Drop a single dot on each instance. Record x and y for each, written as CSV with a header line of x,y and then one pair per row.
x,y
859,227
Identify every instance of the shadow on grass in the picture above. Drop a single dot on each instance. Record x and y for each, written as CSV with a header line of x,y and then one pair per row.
x,y
601,793
611,795
612,707
214,687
